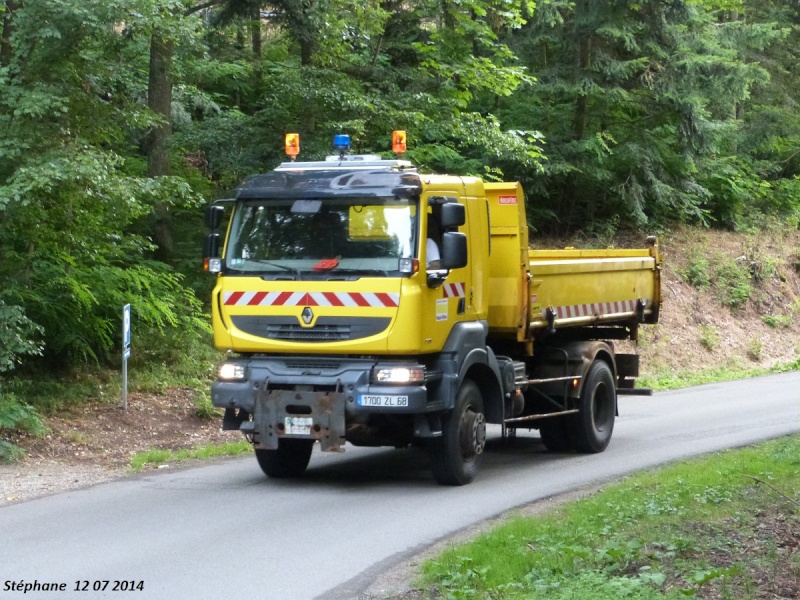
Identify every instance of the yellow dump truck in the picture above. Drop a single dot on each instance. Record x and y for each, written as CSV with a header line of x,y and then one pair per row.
x,y
362,301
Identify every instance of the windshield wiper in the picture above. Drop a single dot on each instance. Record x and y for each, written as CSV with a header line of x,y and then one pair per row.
x,y
292,270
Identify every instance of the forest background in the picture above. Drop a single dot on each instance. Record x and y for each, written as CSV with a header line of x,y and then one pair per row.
x,y
121,119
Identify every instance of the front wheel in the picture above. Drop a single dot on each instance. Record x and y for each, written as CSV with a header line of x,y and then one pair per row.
x,y
456,456
593,425
289,460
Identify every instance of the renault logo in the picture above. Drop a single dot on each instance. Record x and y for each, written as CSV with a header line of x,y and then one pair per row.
x,y
307,315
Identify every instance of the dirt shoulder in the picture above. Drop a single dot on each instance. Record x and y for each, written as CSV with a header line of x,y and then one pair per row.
x,y
94,442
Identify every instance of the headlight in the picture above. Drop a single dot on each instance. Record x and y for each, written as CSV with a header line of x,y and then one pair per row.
x,y
398,375
231,372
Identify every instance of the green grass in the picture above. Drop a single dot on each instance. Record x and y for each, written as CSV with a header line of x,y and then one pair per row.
x,y
671,380
160,457
666,534
667,379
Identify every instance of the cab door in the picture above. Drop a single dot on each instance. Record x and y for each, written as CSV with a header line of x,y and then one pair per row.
x,y
446,293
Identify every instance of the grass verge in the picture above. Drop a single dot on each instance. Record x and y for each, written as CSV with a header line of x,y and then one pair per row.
x,y
666,379
723,527
160,457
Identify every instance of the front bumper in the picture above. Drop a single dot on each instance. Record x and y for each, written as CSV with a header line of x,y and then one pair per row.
x,y
279,392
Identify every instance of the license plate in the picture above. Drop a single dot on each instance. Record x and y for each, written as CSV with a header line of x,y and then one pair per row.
x,y
298,425
382,400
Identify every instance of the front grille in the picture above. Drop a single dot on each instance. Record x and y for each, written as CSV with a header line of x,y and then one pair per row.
x,y
326,329
320,333
312,363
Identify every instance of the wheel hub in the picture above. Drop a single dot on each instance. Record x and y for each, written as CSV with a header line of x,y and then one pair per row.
x,y
473,434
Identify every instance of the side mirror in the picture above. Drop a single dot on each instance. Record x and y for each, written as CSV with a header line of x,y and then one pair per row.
x,y
214,216
453,215
454,249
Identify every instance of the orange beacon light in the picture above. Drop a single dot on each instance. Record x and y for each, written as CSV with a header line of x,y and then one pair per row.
x,y
398,141
292,145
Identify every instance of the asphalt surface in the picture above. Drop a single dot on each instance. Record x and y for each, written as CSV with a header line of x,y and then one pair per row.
x,y
225,531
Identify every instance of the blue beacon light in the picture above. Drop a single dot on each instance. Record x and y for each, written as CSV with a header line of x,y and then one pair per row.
x,y
341,143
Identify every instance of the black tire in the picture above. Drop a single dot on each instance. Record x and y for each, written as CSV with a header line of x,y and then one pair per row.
x,y
456,456
555,434
591,428
289,460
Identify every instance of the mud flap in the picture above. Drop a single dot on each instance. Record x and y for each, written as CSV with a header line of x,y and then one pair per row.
x,y
320,415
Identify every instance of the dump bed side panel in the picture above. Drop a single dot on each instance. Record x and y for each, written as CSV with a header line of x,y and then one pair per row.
x,y
585,287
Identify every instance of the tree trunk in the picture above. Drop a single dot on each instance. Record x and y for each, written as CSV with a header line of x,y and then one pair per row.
x,y
159,100
255,31
7,30
306,50
582,101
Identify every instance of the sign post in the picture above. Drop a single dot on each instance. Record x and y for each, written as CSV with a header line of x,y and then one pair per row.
x,y
126,351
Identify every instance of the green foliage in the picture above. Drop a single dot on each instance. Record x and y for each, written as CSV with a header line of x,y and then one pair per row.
x,y
16,415
732,283
204,408
669,379
776,321
697,272
735,189
82,267
755,349
709,337
17,336
189,362
642,107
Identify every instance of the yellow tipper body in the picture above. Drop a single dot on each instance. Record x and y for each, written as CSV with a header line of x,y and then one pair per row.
x,y
537,289
588,287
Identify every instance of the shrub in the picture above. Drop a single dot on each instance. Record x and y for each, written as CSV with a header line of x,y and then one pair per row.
x,y
709,337
776,321
697,273
16,415
733,283
84,264
755,350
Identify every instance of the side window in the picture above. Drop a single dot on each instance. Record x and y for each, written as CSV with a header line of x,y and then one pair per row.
x,y
433,242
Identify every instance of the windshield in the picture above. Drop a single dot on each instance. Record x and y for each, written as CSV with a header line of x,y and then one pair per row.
x,y
288,238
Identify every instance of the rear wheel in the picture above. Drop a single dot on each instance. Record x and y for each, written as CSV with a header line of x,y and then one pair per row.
x,y
592,426
456,456
289,460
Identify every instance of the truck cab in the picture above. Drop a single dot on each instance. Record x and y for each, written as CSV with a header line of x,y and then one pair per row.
x,y
338,327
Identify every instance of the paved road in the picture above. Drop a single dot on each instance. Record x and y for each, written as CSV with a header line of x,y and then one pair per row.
x,y
224,531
